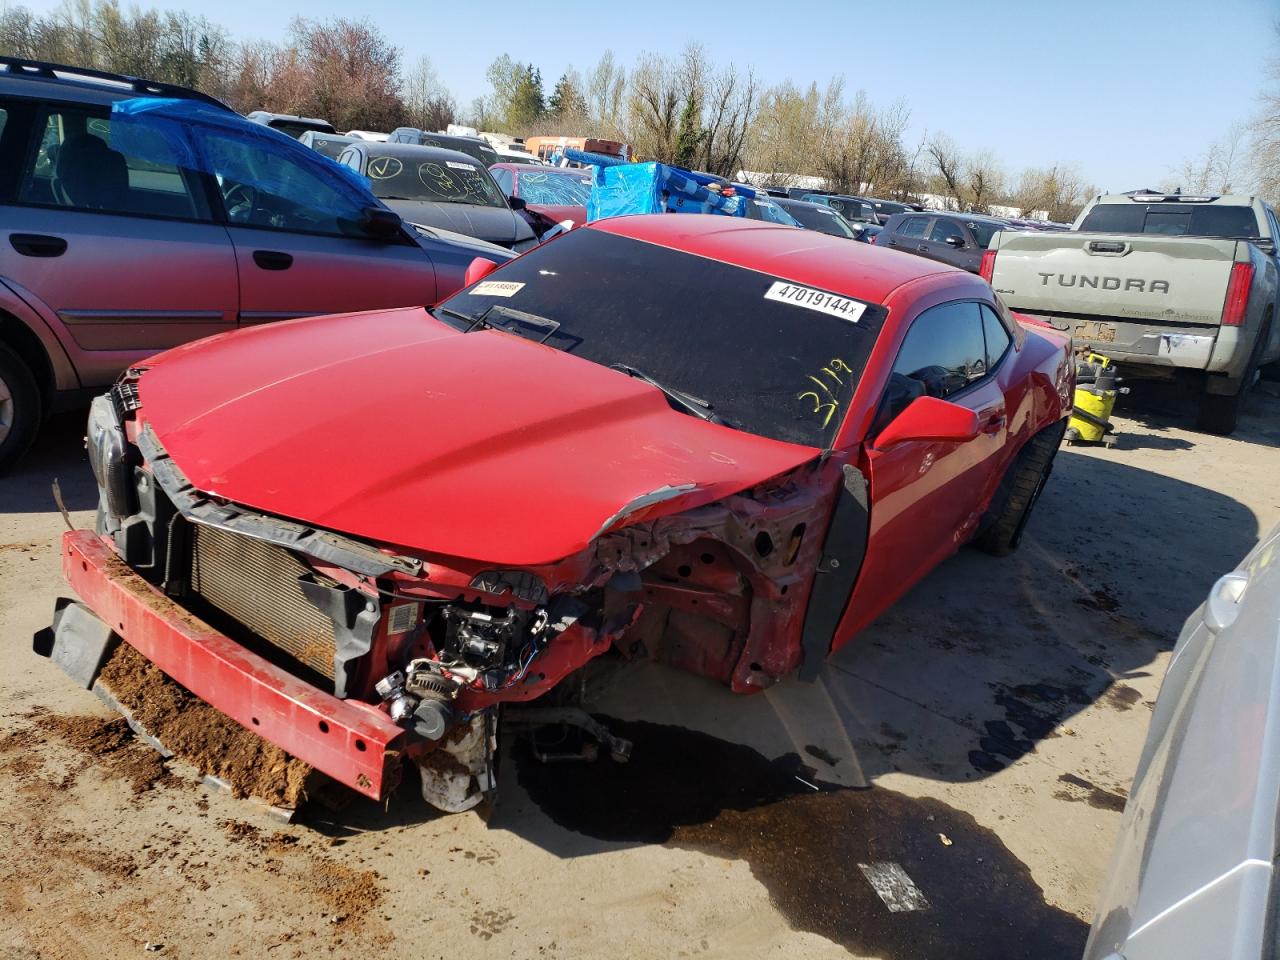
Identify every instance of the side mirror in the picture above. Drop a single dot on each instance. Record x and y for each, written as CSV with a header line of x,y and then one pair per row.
x,y
379,223
1266,245
954,241
516,203
928,418
477,270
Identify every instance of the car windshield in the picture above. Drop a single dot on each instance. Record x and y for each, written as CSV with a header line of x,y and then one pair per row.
x,y
407,177
822,220
983,232
554,189
772,213
1174,219
472,148
296,128
329,146
797,352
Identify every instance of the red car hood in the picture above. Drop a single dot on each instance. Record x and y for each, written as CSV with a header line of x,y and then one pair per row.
x,y
393,427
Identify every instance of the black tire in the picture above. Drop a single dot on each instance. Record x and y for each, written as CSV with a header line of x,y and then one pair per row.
x,y
20,408
1221,414
1019,489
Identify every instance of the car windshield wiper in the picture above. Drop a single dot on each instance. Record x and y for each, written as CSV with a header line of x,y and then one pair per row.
x,y
490,317
687,402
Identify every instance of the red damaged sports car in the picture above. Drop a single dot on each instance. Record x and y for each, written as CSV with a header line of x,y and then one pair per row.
x,y
718,443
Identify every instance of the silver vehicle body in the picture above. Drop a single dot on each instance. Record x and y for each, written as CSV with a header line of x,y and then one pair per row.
x,y
288,123
1149,301
1193,873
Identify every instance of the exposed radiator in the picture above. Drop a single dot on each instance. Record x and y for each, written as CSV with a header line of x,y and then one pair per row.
x,y
256,583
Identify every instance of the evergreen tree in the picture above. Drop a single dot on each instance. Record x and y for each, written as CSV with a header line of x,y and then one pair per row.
x,y
690,133
528,103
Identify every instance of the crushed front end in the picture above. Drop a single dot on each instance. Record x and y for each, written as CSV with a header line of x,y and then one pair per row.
x,y
353,656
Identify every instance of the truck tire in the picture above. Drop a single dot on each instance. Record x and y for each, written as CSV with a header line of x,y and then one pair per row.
x,y
20,408
1019,489
1221,414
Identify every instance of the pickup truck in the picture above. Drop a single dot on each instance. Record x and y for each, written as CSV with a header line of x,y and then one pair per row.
x,y
1168,286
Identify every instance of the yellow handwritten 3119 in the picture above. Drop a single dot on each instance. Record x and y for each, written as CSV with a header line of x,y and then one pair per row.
x,y
826,402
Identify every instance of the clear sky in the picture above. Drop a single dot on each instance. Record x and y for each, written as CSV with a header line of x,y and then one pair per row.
x,y
1126,89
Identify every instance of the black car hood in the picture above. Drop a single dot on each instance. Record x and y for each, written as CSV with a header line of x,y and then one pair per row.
x,y
493,224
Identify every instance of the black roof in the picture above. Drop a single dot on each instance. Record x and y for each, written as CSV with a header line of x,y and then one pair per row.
x,y
95,86
785,202
409,151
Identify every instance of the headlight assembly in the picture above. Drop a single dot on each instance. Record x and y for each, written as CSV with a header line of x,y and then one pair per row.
x,y
108,457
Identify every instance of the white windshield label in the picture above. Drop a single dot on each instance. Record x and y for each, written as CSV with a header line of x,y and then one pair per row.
x,y
496,288
459,166
818,300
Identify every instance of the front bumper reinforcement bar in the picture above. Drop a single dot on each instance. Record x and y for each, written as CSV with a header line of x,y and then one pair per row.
x,y
345,739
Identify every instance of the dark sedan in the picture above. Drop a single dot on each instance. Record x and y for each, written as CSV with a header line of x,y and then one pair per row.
x,y
955,238
816,216
440,188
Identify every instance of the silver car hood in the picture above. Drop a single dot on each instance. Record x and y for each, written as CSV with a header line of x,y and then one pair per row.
x,y
498,225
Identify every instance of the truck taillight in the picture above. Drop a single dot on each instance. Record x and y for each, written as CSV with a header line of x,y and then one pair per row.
x,y
1237,294
987,268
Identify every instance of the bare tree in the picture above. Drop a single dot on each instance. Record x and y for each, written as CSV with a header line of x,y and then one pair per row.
x,y
1220,168
1264,150
606,85
655,98
983,181
948,164
429,105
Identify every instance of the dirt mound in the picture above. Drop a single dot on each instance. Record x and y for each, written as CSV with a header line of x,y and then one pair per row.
x,y
109,742
209,740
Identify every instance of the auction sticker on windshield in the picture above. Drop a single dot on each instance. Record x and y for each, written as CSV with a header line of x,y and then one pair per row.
x,y
496,288
459,166
818,300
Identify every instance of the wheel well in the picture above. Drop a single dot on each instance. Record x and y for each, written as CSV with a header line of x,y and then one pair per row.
x,y
17,336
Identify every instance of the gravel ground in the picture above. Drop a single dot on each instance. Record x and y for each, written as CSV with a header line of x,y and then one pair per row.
x,y
979,739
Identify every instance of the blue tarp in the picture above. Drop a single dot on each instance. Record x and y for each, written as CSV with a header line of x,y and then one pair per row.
x,y
657,188
198,136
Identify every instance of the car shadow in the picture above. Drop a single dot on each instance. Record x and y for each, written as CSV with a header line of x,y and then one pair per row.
x,y
1160,406
57,454
977,666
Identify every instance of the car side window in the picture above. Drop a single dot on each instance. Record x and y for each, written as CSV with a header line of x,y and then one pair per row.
x,y
913,227
944,229
75,166
995,334
504,180
944,349
262,188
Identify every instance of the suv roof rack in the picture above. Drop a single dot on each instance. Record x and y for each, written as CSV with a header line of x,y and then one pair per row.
x,y
19,67
1159,196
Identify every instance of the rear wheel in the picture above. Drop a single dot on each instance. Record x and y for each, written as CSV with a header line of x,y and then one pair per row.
x,y
1221,414
20,409
1019,490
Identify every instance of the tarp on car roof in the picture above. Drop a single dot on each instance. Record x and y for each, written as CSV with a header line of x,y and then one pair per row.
x,y
655,188
159,129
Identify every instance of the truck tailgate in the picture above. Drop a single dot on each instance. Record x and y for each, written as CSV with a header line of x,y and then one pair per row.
x,y
1152,278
